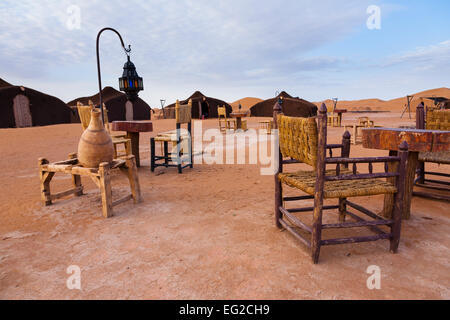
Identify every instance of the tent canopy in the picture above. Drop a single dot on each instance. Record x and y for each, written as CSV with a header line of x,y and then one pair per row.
x,y
199,106
294,107
43,108
115,104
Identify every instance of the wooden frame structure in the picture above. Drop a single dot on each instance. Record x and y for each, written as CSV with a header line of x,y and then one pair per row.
x,y
224,122
322,182
100,176
436,157
183,116
267,125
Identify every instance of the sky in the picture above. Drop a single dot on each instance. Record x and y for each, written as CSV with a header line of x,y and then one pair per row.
x,y
229,49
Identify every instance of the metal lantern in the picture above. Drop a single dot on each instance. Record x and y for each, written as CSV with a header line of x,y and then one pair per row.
x,y
130,82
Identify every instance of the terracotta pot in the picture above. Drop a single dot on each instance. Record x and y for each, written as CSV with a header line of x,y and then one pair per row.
x,y
95,144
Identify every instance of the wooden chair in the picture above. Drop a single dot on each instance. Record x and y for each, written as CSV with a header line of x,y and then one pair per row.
x,y
225,123
181,140
118,139
303,140
435,120
267,125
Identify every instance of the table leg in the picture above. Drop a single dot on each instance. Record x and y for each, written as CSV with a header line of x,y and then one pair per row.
x,y
134,137
409,184
238,123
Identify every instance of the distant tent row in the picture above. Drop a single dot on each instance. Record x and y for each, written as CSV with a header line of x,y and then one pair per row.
x,y
25,107
201,106
117,104
294,107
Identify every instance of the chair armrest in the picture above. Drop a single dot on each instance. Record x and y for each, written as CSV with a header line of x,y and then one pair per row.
x,y
355,175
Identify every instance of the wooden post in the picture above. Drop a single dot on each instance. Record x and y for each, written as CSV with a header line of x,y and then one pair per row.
x,y
76,178
277,110
399,201
105,189
342,209
420,124
45,178
133,179
191,157
346,146
320,182
134,137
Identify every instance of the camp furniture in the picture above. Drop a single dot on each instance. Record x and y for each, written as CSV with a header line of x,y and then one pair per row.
x,y
240,124
362,122
182,157
118,139
133,129
418,141
101,177
435,120
225,123
305,140
267,125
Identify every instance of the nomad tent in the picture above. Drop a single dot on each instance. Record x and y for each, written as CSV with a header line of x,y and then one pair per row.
x,y
117,104
201,106
25,107
294,107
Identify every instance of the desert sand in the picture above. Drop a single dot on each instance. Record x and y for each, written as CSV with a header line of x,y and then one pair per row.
x,y
208,233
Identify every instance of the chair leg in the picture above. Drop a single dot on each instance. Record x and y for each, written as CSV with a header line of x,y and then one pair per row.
x,y
396,226
278,201
316,235
133,179
152,154
105,189
179,162
166,153
421,172
342,209
190,153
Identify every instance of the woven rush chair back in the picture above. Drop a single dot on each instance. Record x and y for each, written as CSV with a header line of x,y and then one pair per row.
x,y
298,138
183,112
85,114
222,112
438,120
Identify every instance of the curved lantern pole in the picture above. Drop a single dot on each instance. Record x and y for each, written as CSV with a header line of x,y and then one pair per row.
x,y
127,51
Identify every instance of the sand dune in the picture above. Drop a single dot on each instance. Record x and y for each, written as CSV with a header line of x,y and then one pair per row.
x,y
389,105
246,103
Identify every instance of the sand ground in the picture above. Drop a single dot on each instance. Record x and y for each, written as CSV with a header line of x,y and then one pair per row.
x,y
206,234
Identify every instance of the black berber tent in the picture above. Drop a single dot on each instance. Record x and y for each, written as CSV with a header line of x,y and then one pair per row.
x,y
294,107
115,104
24,107
201,105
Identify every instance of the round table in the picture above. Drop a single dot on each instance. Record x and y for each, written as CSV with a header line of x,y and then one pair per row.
x,y
238,116
133,128
418,140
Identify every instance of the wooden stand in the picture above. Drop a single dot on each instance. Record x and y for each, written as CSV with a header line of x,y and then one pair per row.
x,y
100,176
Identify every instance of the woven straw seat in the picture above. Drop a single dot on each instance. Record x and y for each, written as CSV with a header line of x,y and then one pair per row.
x,y
436,157
170,136
306,181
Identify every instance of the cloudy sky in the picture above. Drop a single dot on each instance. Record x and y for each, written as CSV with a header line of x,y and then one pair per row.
x,y
229,49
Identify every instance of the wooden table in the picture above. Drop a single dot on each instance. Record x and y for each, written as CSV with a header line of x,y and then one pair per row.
x,y
238,116
418,141
133,128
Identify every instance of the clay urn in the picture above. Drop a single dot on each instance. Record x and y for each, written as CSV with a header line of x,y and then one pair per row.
x,y
95,144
